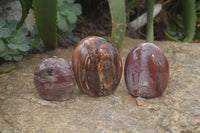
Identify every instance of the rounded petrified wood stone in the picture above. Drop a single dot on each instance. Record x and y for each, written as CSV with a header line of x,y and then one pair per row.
x,y
146,71
97,66
54,79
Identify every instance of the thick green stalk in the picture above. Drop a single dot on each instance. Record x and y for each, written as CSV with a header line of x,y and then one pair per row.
x,y
118,14
45,14
189,19
150,32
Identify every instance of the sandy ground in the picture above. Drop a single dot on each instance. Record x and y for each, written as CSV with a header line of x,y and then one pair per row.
x,y
177,110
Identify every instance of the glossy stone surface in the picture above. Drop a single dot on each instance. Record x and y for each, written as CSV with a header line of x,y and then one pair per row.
x,y
97,66
146,71
54,79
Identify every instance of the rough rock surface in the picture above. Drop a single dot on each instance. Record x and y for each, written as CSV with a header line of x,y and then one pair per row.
x,y
177,110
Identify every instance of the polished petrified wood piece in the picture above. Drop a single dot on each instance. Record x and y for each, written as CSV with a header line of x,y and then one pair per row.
x,y
146,71
97,66
54,79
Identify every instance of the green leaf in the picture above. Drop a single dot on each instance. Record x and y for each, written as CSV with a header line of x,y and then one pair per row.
x,y
2,22
12,25
23,31
3,53
131,4
172,32
46,15
118,14
77,9
7,69
67,15
150,29
18,58
189,19
72,18
4,32
13,52
18,38
12,46
13,34
2,46
7,57
28,41
62,24
60,4
64,6
71,27
62,1
23,48
64,13
70,1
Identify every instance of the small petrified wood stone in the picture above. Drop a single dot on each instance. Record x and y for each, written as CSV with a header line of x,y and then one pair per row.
x,y
54,79
146,71
97,66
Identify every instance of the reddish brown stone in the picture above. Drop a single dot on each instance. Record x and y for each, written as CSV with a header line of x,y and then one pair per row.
x,y
97,66
54,79
146,71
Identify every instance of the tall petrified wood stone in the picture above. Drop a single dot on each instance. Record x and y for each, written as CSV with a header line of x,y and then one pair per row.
x,y
97,66
146,71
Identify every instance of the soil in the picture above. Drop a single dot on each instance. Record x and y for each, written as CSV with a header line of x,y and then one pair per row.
x,y
22,110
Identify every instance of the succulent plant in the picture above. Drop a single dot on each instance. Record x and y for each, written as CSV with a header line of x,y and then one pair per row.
x,y
14,44
65,12
67,15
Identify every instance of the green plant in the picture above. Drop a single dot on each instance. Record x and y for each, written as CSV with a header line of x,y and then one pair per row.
x,y
176,29
62,13
66,18
197,33
118,14
183,23
67,15
46,14
150,31
7,70
14,44
133,2
189,13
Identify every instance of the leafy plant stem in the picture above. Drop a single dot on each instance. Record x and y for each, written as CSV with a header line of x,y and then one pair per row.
x,y
189,19
150,32
7,70
118,14
45,14
172,38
